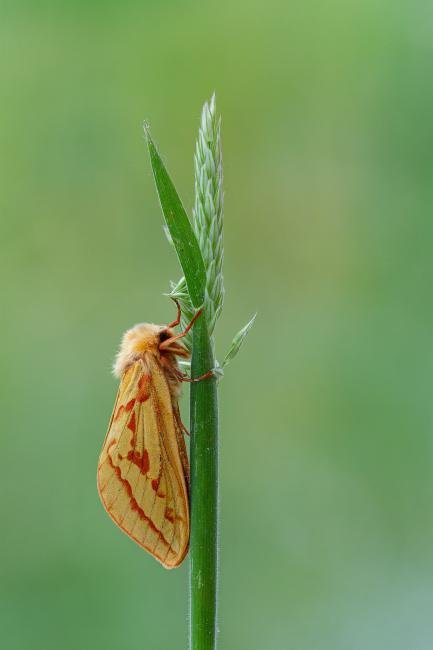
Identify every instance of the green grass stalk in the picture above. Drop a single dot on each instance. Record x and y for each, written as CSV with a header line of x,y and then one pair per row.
x,y
200,250
204,495
204,419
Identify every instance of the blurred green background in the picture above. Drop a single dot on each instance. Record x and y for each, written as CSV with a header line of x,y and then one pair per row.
x,y
326,416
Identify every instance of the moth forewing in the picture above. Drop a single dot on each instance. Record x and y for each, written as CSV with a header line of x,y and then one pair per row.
x,y
143,467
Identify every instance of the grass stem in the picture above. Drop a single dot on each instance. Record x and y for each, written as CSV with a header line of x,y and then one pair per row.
x,y
204,495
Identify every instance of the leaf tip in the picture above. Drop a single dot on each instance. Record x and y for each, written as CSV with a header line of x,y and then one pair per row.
x,y
238,341
146,129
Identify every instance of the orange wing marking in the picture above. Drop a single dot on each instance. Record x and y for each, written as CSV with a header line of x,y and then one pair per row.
x,y
134,505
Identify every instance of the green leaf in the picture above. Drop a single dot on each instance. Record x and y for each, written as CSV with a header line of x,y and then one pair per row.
x,y
237,342
182,234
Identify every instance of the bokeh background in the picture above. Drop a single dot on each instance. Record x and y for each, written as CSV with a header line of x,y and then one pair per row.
x,y
326,415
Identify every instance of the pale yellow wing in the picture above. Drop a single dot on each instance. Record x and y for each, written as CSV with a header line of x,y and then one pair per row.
x,y
141,471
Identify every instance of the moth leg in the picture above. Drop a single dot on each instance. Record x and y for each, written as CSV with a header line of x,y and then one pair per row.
x,y
168,342
176,322
193,380
190,380
179,429
179,421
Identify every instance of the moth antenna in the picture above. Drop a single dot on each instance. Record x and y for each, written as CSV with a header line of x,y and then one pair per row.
x,y
165,344
176,322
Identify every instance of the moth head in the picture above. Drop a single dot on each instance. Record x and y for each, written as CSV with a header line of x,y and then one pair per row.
x,y
136,341
142,338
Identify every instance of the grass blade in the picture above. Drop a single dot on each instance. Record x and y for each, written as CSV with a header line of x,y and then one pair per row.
x,y
182,234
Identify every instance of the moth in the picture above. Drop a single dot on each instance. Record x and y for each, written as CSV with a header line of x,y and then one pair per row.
x,y
143,469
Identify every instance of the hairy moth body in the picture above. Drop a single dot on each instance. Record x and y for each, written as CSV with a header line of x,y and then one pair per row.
x,y
143,469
